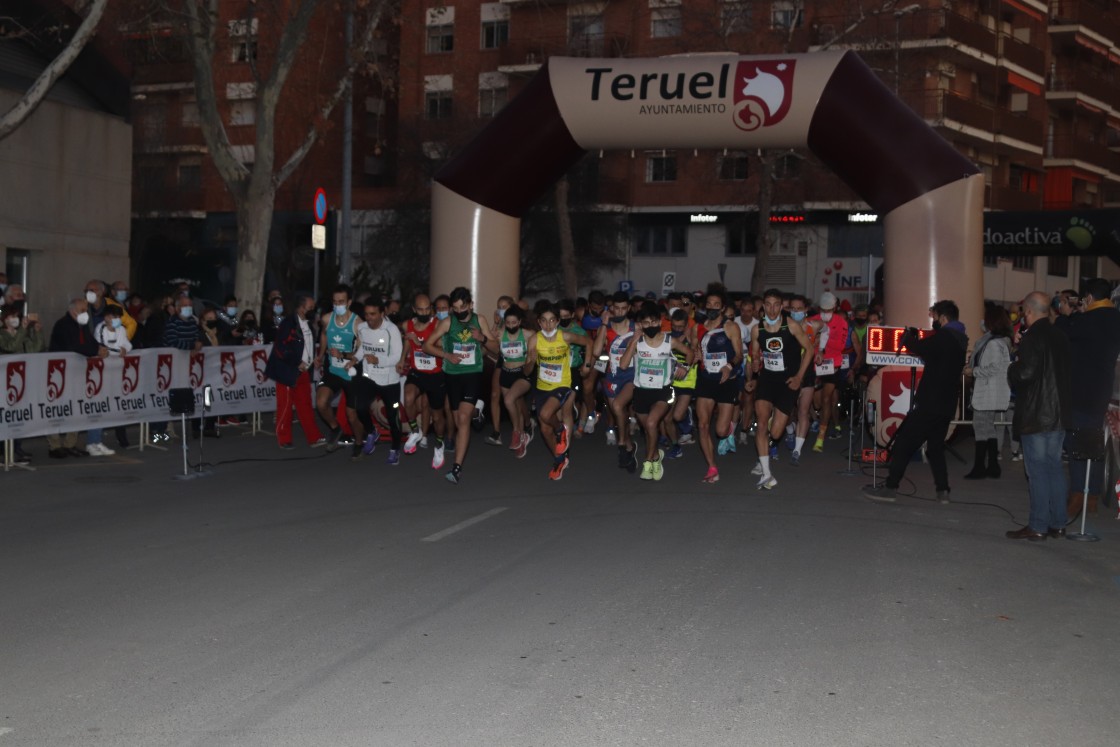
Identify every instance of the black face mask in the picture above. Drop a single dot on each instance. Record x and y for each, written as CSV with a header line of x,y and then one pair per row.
x,y
936,325
211,324
512,330
619,319
423,318
251,324
651,331
565,323
859,322
463,315
713,313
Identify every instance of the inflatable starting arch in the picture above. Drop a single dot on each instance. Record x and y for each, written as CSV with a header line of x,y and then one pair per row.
x,y
930,195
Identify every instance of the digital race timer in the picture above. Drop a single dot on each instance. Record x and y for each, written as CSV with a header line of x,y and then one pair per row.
x,y
884,347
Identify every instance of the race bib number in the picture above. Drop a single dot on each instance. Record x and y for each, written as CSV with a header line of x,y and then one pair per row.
x,y
551,373
425,362
845,361
601,365
826,368
714,362
773,361
513,350
651,375
466,351
616,358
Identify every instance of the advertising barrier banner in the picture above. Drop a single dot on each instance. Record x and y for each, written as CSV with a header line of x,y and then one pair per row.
x,y
62,392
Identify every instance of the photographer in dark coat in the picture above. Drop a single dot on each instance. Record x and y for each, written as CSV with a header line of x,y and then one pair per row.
x,y
934,403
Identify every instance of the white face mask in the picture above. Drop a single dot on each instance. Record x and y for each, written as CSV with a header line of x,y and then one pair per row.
x,y
83,318
774,321
12,322
826,316
340,310
549,335
121,296
91,297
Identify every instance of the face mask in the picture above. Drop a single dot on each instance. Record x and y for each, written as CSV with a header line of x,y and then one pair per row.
x,y
936,325
549,333
186,312
797,316
423,318
651,331
441,315
211,324
618,319
463,316
12,322
501,313
565,323
859,322
826,316
120,296
278,309
674,334
340,310
231,311
116,323
713,313
250,323
91,297
770,321
83,318
513,330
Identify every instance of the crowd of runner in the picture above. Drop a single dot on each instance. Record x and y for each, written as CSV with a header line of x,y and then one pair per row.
x,y
654,377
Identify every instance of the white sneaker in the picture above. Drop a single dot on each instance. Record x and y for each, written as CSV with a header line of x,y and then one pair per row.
x,y
612,439
634,427
424,442
437,457
589,426
411,441
744,438
99,450
686,439
767,483
757,470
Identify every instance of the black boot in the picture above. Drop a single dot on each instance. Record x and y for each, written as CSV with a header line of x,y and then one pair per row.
x,y
979,471
993,458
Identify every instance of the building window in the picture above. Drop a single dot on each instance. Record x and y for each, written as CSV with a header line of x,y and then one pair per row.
x,y
1022,179
785,14
734,17
740,241
242,113
787,166
491,101
664,22
585,36
733,167
243,40
241,91
437,104
661,167
190,177
441,39
660,241
1022,263
190,113
1058,265
495,34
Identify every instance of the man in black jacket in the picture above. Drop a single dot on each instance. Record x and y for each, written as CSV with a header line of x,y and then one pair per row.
x,y
72,334
289,365
1040,377
934,403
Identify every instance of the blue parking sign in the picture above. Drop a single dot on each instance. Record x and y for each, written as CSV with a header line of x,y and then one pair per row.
x,y
626,286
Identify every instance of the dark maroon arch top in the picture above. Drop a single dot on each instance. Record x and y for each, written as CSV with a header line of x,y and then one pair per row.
x,y
879,146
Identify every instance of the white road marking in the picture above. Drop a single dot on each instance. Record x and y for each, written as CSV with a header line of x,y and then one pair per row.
x,y
5,730
463,525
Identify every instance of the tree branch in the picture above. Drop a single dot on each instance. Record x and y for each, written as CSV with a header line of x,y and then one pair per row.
x,y
30,101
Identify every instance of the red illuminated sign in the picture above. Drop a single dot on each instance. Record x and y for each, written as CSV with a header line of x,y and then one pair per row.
x,y
884,346
788,218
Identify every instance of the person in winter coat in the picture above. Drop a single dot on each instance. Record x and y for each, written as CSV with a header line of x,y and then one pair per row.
x,y
991,394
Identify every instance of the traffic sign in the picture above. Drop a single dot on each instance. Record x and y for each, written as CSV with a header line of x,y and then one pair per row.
x,y
626,286
318,237
668,282
320,206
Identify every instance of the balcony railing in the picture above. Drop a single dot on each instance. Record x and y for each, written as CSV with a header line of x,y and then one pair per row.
x,y
1087,14
1027,56
1097,154
535,51
939,106
886,31
1087,80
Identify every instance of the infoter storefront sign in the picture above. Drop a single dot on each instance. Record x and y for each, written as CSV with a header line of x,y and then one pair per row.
x,y
62,392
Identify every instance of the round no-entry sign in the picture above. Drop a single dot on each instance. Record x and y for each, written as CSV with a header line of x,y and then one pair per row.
x,y
320,207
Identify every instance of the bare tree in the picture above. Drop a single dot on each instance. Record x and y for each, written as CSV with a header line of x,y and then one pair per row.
x,y
30,101
253,186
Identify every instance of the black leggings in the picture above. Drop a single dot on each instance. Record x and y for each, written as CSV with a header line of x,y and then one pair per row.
x,y
366,392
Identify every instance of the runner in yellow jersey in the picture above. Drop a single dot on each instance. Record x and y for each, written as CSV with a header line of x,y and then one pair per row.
x,y
550,352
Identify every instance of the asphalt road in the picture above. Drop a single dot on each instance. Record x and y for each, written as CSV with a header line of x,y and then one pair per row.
x,y
308,600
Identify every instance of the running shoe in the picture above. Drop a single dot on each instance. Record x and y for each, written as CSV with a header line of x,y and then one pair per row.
x,y
346,441
522,446
757,469
791,441
814,426
622,457
686,439
658,470
370,443
437,457
795,458
712,476
394,458
562,441
731,442
494,439
631,461
589,425
411,442
744,438
664,442
674,452
837,432
818,445
774,453
452,477
647,471
767,483
1016,456
558,468
721,447
612,438
287,446
515,440
321,441
530,429
634,427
